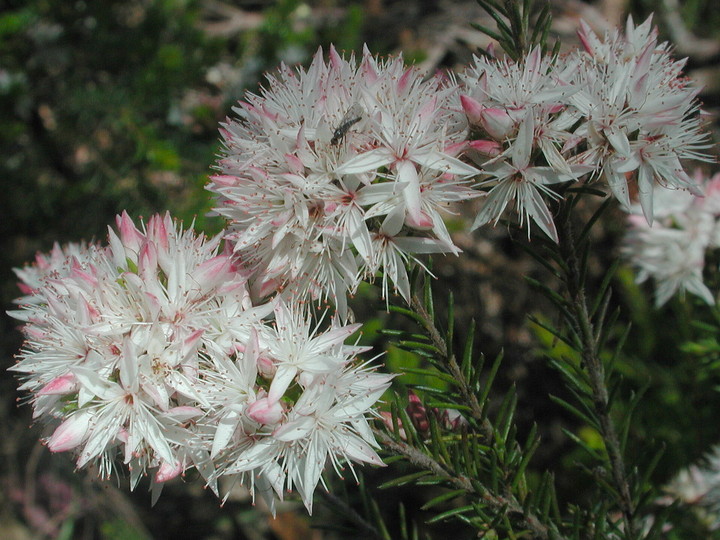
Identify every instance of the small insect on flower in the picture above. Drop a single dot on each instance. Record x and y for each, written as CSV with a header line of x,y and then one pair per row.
x,y
353,115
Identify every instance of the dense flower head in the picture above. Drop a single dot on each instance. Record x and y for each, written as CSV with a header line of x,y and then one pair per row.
x,y
672,251
619,110
340,171
642,115
149,353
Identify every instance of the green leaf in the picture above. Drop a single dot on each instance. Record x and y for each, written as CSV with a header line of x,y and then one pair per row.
x,y
431,390
403,480
377,515
450,495
407,312
487,31
592,452
418,345
437,444
431,373
574,411
483,399
445,405
450,513
467,365
531,445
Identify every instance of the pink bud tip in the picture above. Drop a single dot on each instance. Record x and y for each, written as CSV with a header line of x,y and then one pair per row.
x,y
168,471
265,411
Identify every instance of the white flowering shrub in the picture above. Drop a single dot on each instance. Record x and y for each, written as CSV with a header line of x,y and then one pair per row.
x,y
162,351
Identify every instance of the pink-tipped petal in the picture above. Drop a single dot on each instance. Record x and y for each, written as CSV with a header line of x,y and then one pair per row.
x,y
487,147
496,122
59,386
131,237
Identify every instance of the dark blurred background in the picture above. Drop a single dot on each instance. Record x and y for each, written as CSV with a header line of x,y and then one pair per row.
x,y
114,105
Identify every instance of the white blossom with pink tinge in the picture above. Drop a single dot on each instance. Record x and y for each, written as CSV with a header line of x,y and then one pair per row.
x,y
149,353
619,110
672,251
270,421
641,115
318,164
116,337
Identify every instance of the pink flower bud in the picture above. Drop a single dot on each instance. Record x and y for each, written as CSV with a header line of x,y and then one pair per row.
x,y
264,411
417,413
386,417
452,419
25,289
486,147
168,471
473,109
419,220
266,367
496,122
148,261
131,237
70,433
158,228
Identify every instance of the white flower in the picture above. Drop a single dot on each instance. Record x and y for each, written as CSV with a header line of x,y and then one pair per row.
x,y
318,161
620,108
698,487
642,115
328,422
502,91
115,340
148,353
59,262
520,182
296,350
519,111
672,250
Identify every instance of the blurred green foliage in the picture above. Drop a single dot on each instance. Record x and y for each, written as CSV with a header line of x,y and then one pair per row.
x,y
701,16
91,88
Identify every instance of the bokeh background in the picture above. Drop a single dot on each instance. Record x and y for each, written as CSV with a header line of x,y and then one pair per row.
x,y
114,105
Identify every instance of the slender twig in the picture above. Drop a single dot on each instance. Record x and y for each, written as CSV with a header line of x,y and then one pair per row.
x,y
449,358
505,505
596,371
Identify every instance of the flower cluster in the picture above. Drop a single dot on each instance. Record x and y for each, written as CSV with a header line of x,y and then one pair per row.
x,y
336,173
618,109
672,250
149,352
